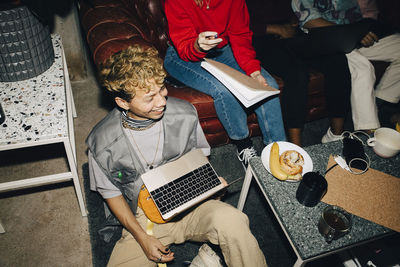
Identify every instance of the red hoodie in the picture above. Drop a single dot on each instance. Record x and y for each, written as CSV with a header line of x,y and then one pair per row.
x,y
229,18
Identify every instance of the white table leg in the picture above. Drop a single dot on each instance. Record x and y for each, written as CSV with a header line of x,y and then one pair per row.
x,y
75,178
245,188
2,230
71,112
299,263
68,84
71,131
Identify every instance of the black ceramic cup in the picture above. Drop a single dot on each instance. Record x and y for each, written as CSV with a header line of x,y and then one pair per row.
x,y
311,189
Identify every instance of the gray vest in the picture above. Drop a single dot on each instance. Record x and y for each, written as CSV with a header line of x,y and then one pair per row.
x,y
116,157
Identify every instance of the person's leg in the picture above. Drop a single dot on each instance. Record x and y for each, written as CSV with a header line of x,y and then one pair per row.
x,y
276,58
269,114
337,125
216,222
387,49
127,252
229,111
363,107
294,136
337,90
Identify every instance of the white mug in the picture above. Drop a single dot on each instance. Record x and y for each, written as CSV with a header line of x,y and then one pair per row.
x,y
386,142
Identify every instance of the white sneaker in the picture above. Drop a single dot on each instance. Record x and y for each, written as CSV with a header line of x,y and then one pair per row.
x,y
330,137
245,155
206,258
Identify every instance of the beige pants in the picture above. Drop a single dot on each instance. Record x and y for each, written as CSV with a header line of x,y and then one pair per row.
x,y
364,110
213,221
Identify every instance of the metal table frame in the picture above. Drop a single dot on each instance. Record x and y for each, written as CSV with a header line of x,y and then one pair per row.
x,y
64,136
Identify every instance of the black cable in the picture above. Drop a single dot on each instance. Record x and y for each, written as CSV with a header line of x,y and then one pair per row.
x,y
333,166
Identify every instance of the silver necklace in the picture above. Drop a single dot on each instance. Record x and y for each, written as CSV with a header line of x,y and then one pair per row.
x,y
125,124
150,166
136,125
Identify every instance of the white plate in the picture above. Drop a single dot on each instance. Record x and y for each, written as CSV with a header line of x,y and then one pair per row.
x,y
284,146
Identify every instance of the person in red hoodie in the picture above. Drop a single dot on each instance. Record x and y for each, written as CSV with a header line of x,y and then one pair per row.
x,y
219,29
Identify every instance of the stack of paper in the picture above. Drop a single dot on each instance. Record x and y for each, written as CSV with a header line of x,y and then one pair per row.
x,y
243,87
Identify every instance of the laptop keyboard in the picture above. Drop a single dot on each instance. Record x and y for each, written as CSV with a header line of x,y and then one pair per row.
x,y
185,188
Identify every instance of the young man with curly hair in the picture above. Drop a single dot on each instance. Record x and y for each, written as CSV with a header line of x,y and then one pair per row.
x,y
146,130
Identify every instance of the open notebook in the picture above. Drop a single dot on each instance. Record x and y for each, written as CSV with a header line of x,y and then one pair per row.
x,y
181,184
243,87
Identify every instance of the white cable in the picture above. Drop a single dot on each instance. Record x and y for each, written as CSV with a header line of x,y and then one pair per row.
x,y
353,135
344,165
341,162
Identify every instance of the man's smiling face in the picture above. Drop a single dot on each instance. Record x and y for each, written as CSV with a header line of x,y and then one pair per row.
x,y
146,104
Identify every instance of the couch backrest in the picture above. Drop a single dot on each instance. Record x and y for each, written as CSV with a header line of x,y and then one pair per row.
x,y
152,17
112,25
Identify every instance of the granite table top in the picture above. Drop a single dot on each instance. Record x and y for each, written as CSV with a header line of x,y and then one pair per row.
x,y
35,109
300,222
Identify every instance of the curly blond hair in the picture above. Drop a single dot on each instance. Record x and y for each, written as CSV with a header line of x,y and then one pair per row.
x,y
130,69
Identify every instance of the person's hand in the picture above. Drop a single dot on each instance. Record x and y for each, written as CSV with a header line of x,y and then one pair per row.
x,y
154,250
287,30
284,31
369,39
207,41
258,77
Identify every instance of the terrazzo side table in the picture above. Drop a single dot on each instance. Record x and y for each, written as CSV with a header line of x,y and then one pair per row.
x,y
40,111
299,223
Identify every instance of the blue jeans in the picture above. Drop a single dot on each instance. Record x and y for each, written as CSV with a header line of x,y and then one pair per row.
x,y
231,113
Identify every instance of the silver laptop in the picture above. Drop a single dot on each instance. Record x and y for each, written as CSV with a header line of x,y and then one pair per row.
x,y
181,184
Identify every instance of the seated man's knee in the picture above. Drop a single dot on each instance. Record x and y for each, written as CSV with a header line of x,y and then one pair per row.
x,y
228,218
360,64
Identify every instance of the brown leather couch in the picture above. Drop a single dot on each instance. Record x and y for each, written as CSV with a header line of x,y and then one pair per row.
x,y
112,25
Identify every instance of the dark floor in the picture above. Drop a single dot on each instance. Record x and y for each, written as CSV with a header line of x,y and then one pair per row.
x,y
263,224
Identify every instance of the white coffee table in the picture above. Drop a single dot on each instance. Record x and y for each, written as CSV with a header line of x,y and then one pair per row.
x,y
40,111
